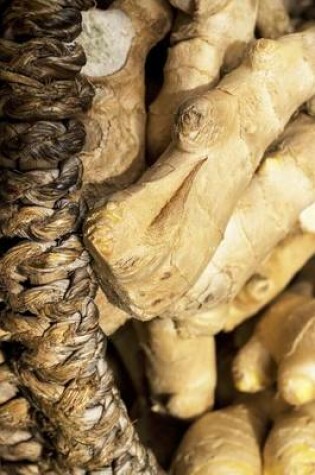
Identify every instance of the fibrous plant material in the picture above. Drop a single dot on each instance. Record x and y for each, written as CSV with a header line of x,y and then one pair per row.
x,y
117,42
20,449
290,444
181,371
144,254
223,442
46,280
23,449
216,33
273,18
284,336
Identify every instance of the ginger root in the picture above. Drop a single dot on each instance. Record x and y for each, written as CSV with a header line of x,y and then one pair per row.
x,y
223,442
284,336
181,371
290,444
117,42
213,35
143,253
268,281
253,367
270,278
258,223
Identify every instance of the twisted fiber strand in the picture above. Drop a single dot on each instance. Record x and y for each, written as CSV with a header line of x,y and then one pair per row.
x,y
45,18
45,278
21,446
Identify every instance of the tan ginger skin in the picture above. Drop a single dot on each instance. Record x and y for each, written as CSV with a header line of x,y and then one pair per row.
x,y
285,336
259,224
254,365
181,371
216,34
169,359
142,239
269,279
289,448
117,42
244,248
223,442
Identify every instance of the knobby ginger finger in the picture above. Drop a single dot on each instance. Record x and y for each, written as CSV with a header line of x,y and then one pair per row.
x,y
215,33
153,241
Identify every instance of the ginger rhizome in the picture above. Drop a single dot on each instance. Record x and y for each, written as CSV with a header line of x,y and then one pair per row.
x,y
181,371
117,42
201,44
271,277
258,224
249,239
143,254
223,442
289,448
281,348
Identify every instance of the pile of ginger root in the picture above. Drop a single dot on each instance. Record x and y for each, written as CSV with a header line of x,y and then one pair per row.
x,y
199,177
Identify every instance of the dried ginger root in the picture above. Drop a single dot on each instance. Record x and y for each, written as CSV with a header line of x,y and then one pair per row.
x,y
215,34
143,254
117,42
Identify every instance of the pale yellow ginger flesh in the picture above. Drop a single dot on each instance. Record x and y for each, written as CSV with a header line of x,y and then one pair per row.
x,y
284,335
290,447
282,188
153,241
271,277
223,442
116,42
273,18
200,45
181,371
